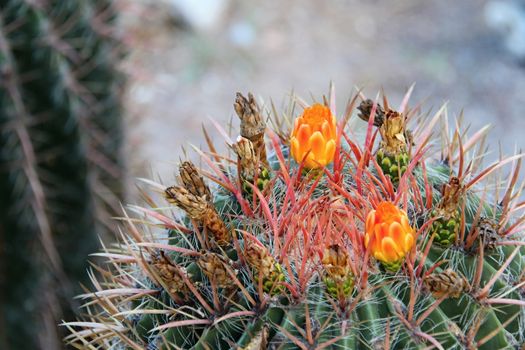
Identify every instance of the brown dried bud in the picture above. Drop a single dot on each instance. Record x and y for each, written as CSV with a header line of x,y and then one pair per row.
x,y
336,261
489,232
169,274
393,133
337,277
258,258
215,267
447,282
195,206
365,109
198,208
451,192
253,125
248,160
264,266
193,181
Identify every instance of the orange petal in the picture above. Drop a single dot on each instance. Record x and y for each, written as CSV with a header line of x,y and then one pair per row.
x,y
303,135
378,232
325,129
395,231
317,145
389,249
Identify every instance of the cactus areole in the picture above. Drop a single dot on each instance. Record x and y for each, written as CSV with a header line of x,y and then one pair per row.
x,y
400,240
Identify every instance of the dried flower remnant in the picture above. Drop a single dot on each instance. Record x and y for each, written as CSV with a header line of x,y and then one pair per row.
x,y
447,282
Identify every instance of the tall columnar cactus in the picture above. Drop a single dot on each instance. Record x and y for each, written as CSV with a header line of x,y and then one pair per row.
x,y
348,257
60,140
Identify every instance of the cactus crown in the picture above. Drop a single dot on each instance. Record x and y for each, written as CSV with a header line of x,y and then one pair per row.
x,y
365,252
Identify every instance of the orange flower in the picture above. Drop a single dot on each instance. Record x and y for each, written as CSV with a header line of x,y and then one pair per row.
x,y
390,235
314,132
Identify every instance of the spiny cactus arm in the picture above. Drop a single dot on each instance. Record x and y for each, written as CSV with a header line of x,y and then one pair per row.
x,y
494,320
24,215
299,217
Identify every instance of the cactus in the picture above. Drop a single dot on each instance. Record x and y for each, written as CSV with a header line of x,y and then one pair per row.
x,y
60,116
345,259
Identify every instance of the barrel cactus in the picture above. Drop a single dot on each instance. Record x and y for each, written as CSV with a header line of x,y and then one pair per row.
x,y
344,255
60,163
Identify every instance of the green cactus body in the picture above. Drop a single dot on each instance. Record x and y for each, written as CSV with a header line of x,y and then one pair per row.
x,y
392,165
60,141
318,290
445,230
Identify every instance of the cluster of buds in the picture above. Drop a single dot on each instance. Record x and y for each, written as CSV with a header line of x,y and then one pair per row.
x,y
393,156
313,139
448,283
388,235
250,146
338,277
251,170
445,228
264,267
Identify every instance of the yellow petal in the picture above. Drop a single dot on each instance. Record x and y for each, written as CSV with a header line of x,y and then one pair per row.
x,y
380,256
390,249
325,129
395,231
329,151
303,135
310,162
409,242
296,150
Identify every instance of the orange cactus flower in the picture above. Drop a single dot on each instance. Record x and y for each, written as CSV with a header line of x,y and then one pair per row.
x,y
390,235
314,134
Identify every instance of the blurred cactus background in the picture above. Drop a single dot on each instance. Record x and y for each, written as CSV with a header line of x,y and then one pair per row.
x,y
60,157
63,110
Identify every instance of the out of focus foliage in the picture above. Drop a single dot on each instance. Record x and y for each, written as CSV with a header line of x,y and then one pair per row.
x,y
60,144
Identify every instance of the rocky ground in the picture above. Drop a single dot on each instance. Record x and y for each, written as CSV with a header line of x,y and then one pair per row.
x,y
181,76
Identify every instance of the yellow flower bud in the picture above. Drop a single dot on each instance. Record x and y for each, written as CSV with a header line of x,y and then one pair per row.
x,y
314,134
389,234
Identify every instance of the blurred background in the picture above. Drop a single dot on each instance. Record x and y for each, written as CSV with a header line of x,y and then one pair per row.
x,y
94,93
190,58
